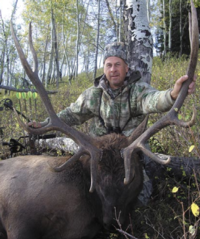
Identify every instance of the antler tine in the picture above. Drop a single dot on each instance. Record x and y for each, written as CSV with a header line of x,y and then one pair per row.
x,y
85,142
171,118
35,60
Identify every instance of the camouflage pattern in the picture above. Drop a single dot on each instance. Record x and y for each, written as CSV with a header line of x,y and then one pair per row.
x,y
113,105
117,49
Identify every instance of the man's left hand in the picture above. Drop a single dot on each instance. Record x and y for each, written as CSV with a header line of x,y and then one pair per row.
x,y
178,84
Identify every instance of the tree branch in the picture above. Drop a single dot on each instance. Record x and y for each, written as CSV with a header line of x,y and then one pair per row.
x,y
23,90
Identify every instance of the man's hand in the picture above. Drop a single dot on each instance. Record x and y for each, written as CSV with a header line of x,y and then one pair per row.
x,y
178,84
34,124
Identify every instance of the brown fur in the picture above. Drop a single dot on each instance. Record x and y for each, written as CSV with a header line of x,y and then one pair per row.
x,y
38,203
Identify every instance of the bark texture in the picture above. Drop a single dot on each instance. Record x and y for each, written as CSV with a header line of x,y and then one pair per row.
x,y
138,38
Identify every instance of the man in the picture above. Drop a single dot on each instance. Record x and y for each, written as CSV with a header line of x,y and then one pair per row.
x,y
119,101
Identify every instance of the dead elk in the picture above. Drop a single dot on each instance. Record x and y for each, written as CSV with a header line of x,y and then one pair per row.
x,y
37,202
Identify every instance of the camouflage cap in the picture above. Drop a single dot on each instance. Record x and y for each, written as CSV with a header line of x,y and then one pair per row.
x,y
117,49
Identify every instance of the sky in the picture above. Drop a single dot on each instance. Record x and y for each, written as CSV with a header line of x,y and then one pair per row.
x,y
6,7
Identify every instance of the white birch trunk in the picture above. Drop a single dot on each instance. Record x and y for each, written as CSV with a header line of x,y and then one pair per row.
x,y
138,38
148,10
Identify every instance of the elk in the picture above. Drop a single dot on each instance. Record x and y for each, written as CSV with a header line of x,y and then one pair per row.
x,y
55,197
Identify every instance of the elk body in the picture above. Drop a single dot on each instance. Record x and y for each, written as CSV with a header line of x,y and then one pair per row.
x,y
36,202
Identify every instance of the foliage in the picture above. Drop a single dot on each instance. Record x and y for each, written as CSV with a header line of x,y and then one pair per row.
x,y
197,3
179,35
170,213
176,140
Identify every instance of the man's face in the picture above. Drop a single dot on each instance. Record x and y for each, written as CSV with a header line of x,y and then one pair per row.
x,y
115,70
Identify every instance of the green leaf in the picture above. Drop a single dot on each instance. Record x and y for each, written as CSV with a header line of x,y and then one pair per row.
x,y
180,117
184,173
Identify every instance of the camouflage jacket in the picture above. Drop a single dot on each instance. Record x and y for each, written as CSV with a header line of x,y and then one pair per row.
x,y
123,109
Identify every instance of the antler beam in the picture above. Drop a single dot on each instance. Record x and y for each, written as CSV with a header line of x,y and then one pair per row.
x,y
86,143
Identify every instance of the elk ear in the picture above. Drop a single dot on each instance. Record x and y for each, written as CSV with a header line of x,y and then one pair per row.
x,y
138,131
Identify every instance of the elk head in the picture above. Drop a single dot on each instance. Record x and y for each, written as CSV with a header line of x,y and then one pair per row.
x,y
87,144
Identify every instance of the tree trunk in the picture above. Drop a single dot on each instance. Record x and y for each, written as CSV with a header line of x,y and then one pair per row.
x,y
56,49
170,26
164,31
50,60
97,41
180,29
44,61
138,38
77,38
120,37
4,55
2,59
111,16
148,10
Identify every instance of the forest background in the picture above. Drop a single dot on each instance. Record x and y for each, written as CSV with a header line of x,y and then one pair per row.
x,y
69,38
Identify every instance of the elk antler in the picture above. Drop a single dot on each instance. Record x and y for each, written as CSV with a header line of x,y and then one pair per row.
x,y
86,143
171,118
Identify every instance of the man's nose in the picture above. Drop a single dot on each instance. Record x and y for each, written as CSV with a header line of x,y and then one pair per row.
x,y
113,68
